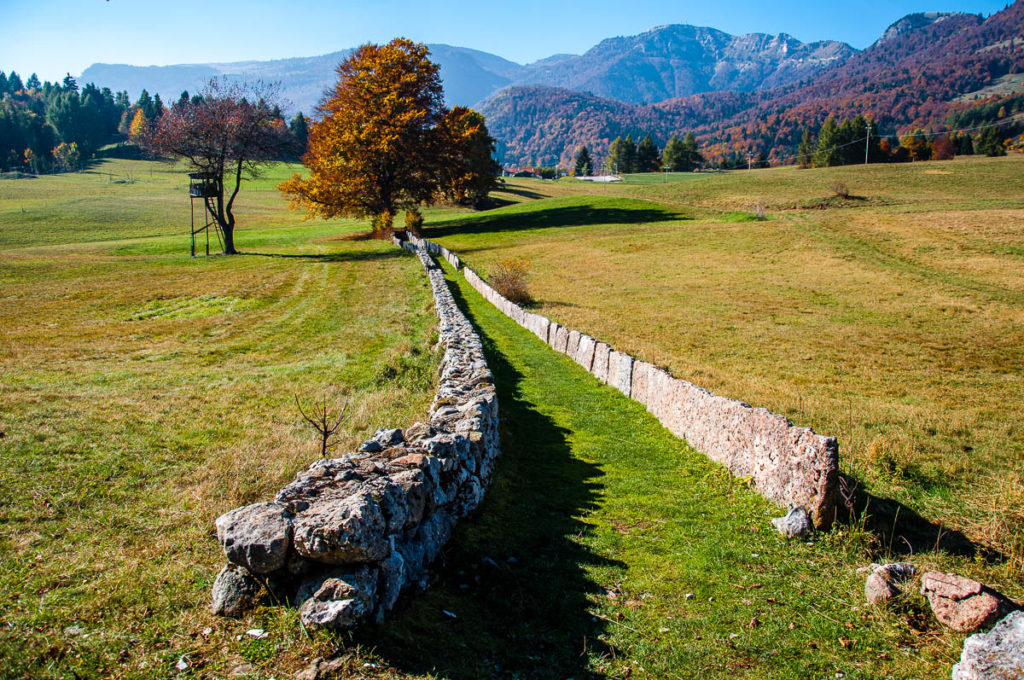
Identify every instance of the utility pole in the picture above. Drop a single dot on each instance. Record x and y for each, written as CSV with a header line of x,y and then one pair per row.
x,y
867,144
750,160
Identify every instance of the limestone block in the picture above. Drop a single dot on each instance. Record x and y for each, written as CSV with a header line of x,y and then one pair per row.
x,y
996,655
434,534
572,343
600,365
962,604
620,371
339,599
234,591
256,536
561,339
342,531
392,571
584,355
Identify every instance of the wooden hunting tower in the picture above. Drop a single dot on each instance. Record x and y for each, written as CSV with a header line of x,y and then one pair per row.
x,y
206,187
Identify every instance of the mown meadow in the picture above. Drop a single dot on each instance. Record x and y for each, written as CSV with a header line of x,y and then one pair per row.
x,y
890,317
143,393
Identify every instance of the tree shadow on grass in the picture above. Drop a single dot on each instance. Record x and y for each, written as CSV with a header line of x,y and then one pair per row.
x,y
519,191
901,531
511,599
563,216
346,256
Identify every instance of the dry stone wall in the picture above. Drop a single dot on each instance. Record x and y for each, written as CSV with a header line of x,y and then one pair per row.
x,y
350,534
791,466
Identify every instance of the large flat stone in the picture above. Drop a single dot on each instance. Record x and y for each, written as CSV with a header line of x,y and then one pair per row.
x,y
256,536
996,655
961,603
585,351
620,371
600,365
342,531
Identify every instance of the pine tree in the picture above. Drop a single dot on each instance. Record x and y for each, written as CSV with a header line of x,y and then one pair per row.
x,y
674,157
628,155
694,158
584,164
70,84
33,82
827,155
14,83
991,142
300,130
158,108
614,159
964,145
3,84
647,157
805,152
145,103
622,155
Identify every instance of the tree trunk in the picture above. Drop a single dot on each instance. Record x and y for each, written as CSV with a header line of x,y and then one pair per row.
x,y
229,240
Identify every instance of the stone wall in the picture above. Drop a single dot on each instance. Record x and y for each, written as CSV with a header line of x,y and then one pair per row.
x,y
350,534
791,466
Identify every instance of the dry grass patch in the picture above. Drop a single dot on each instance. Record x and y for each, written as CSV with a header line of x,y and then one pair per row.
x,y
899,333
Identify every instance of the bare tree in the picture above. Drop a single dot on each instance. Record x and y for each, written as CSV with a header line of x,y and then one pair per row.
x,y
233,129
320,418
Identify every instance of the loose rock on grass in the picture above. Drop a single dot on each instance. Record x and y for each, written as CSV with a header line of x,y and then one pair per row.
x,y
996,655
962,604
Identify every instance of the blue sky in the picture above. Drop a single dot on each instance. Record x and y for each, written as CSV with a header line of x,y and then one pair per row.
x,y
52,37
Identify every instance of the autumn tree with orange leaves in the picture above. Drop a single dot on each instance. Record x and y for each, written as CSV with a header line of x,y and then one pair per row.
x,y
229,133
385,142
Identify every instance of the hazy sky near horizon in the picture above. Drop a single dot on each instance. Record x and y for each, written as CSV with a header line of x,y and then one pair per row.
x,y
52,37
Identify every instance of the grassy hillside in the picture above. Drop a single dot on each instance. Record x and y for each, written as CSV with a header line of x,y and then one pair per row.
x,y
890,319
143,393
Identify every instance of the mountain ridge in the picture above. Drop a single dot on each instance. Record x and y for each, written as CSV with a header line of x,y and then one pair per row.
x,y
664,62
914,78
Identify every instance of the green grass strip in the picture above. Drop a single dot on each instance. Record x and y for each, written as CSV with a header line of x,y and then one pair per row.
x,y
598,524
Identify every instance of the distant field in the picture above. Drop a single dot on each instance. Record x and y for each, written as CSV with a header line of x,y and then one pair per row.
x,y
892,319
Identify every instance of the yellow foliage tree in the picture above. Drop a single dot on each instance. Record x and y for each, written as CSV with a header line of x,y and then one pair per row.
x,y
467,171
139,127
382,139
369,151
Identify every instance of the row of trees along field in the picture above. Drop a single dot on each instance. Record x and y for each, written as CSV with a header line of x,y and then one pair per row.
x,y
625,156
48,126
385,142
849,143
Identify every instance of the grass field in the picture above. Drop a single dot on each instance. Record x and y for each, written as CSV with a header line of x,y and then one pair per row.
x,y
143,393
891,319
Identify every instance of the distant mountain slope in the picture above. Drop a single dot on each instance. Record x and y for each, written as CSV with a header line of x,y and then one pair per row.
x,y
468,75
680,60
912,22
666,62
911,77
